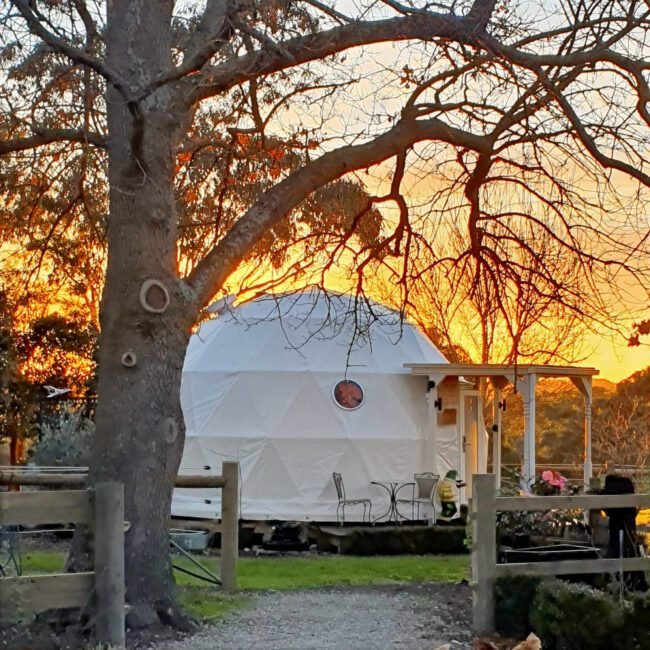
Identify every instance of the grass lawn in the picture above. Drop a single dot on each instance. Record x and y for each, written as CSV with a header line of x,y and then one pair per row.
x,y
206,602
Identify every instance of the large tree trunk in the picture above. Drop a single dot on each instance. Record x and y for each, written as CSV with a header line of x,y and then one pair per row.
x,y
139,441
144,333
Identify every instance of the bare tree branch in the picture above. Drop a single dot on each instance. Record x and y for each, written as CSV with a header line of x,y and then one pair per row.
x,y
283,197
304,49
44,137
212,33
332,13
481,12
58,44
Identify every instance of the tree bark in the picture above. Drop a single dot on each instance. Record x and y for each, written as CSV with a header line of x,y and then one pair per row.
x,y
145,319
16,449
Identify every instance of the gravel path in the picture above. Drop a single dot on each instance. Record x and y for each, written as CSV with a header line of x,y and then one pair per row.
x,y
412,617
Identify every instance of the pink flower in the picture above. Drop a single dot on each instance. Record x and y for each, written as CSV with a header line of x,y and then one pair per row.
x,y
556,479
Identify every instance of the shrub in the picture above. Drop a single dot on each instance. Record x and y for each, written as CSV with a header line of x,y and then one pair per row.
x,y
65,442
513,599
569,616
637,620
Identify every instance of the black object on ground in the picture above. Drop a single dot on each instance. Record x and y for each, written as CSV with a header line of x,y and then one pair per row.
x,y
287,536
624,520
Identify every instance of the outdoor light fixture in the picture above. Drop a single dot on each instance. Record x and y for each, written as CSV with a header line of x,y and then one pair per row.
x,y
430,384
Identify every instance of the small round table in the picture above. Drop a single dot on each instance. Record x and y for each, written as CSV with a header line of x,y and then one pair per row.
x,y
391,486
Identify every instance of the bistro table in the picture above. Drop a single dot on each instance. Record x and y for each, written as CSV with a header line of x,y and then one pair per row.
x,y
392,486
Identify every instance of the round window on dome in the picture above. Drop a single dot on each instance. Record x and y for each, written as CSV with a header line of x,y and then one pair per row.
x,y
348,394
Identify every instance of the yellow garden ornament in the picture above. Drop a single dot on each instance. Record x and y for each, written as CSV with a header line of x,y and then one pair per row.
x,y
448,493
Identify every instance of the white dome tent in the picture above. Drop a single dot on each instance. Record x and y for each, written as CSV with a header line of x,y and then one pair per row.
x,y
259,387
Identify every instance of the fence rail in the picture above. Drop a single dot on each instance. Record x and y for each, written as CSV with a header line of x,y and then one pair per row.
x,y
485,505
103,509
49,509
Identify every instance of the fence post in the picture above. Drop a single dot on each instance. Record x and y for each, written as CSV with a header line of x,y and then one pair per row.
x,y
230,525
484,552
109,563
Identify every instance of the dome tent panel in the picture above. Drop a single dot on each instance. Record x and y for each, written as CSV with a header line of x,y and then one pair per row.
x,y
252,404
217,344
191,502
312,412
205,393
301,484
281,399
271,474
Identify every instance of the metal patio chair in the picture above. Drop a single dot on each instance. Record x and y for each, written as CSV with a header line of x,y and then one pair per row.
x,y
424,492
343,501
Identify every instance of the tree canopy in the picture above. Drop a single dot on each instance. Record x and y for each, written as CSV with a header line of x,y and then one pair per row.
x,y
506,126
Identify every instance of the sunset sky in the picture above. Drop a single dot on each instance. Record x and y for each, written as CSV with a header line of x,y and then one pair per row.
x,y
614,359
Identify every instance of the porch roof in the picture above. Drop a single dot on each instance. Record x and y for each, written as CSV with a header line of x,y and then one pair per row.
x,y
498,370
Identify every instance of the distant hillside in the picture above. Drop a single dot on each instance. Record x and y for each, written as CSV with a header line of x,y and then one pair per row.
x,y
557,386
604,384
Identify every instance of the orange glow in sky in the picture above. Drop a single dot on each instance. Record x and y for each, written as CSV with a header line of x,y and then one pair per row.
x,y
614,359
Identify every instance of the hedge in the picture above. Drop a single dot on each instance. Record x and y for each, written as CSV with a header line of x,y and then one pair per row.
x,y
513,598
570,616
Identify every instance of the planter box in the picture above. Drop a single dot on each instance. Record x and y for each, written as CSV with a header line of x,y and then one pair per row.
x,y
554,553
190,540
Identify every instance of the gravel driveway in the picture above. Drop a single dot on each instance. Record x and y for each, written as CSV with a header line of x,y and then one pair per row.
x,y
413,617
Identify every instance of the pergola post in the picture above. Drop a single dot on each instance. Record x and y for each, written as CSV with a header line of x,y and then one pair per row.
x,y
498,407
589,468
496,436
431,452
585,386
528,397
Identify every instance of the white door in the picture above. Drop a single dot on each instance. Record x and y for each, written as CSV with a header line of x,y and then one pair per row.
x,y
470,412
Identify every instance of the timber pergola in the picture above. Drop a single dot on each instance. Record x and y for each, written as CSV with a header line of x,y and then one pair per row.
x,y
524,379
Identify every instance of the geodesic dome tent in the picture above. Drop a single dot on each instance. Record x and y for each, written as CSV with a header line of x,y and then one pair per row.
x,y
295,387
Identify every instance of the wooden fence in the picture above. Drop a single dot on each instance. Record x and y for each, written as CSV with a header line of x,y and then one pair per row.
x,y
102,509
228,482
485,570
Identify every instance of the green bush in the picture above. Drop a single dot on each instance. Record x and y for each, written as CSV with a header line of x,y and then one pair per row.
x,y
66,442
513,599
570,616
637,620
